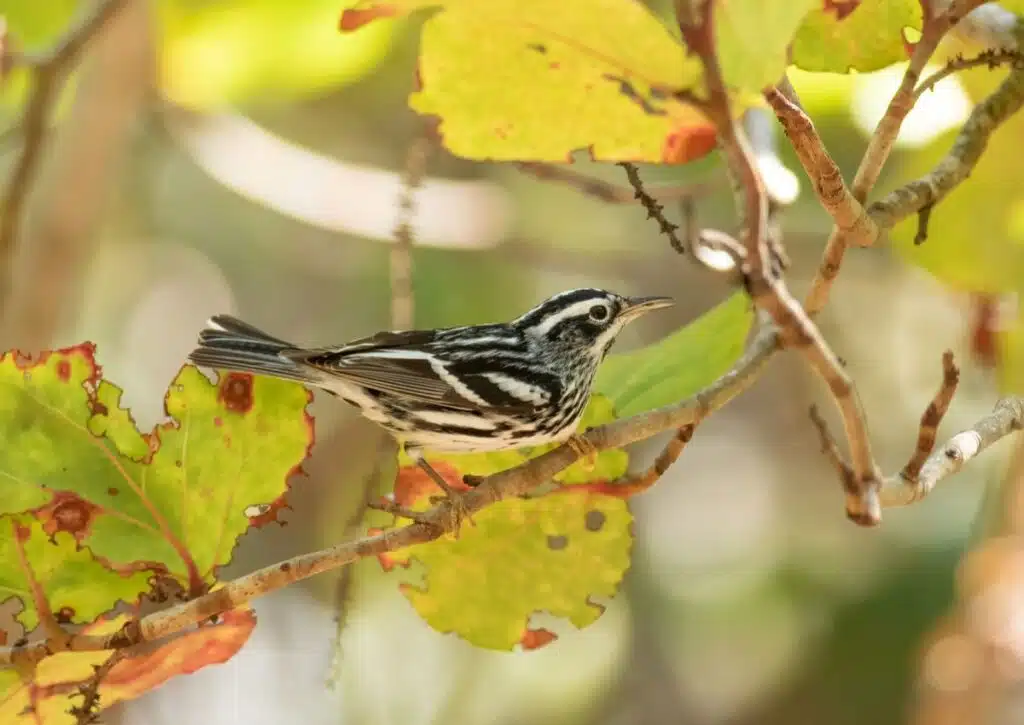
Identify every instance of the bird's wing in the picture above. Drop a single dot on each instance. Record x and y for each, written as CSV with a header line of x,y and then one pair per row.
x,y
407,372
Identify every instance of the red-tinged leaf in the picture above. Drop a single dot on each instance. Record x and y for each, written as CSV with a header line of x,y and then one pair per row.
x,y
354,18
413,485
840,9
689,143
537,638
48,697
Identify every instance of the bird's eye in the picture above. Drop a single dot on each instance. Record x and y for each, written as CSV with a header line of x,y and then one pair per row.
x,y
599,313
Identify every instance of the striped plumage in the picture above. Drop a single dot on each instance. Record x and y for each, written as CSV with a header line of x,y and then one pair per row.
x,y
477,388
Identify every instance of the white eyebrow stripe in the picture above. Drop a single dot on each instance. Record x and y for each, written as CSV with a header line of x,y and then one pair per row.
x,y
577,309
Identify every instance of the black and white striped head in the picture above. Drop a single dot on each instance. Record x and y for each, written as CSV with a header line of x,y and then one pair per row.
x,y
587,319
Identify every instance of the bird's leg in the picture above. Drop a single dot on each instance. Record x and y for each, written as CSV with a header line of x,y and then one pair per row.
x,y
584,449
454,498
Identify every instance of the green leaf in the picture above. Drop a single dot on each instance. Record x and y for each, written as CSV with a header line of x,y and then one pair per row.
x,y
551,553
863,35
177,498
75,587
680,364
752,38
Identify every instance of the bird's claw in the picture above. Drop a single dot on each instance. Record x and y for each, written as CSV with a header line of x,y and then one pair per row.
x,y
457,510
584,449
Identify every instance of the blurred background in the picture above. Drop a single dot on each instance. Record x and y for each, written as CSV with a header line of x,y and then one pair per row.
x,y
243,156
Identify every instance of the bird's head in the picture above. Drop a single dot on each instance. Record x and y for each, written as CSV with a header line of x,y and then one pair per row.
x,y
586,319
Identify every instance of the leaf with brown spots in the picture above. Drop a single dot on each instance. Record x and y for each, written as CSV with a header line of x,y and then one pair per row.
x,y
50,695
174,500
604,75
551,554
52,575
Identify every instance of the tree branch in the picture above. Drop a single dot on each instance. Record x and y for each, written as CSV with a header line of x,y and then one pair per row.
x,y
1006,418
49,70
826,178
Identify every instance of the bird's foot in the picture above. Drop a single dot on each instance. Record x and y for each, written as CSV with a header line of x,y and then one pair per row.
x,y
457,510
585,450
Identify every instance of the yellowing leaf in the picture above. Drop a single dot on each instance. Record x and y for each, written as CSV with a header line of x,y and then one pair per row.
x,y
558,76
680,364
56,677
551,78
863,35
57,574
175,499
549,554
752,38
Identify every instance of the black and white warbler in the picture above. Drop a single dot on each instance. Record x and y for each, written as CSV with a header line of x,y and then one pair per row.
x,y
457,389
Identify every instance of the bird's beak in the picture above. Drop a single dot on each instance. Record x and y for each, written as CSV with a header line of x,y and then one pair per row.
x,y
636,306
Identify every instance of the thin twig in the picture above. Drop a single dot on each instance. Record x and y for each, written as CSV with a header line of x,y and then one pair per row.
x,y
611,193
401,250
402,318
88,712
932,417
831,449
826,178
924,215
49,70
344,589
993,58
655,210
638,483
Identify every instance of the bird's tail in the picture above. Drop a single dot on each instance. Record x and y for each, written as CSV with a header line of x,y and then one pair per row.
x,y
228,343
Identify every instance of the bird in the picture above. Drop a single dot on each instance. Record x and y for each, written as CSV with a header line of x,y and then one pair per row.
x,y
474,388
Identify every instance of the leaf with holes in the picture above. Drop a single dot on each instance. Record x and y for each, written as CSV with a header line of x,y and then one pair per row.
x,y
606,75
552,553
47,699
51,575
176,499
862,35
679,365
